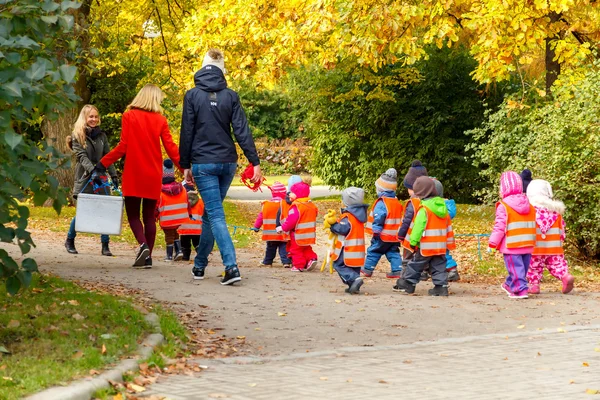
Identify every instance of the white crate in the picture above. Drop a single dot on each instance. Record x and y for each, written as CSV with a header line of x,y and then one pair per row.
x,y
99,214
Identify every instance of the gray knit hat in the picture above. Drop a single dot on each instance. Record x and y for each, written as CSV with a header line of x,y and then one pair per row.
x,y
353,196
214,57
387,181
416,170
439,188
424,188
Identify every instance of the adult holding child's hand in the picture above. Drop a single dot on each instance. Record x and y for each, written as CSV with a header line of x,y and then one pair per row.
x,y
211,112
143,129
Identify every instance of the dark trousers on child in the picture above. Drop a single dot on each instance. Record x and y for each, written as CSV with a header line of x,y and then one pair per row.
x,y
436,265
347,274
271,252
171,235
187,241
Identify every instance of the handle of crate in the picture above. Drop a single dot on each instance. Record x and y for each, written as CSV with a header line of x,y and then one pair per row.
x,y
90,180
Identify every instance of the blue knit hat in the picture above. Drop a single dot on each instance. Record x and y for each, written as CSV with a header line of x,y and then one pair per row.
x,y
292,181
168,172
416,170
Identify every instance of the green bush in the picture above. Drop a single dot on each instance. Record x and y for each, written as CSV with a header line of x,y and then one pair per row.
x,y
559,140
358,127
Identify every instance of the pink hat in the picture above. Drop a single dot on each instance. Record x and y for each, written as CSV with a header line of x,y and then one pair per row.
x,y
510,183
278,190
301,190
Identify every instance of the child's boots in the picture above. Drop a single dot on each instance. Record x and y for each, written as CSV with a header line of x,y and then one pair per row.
x,y
438,290
186,252
169,256
178,256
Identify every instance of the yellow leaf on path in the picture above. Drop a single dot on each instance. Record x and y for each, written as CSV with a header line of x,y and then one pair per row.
x,y
103,349
338,301
349,380
571,382
561,330
586,364
73,302
281,314
118,397
252,384
323,378
597,349
382,381
217,395
592,391
520,326
241,337
136,388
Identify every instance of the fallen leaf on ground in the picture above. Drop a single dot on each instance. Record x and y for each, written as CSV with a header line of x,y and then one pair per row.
x,y
323,378
338,301
382,381
586,364
38,308
37,290
252,384
217,395
7,378
94,372
73,302
241,337
4,350
78,355
281,314
520,326
561,330
13,324
2,367
136,388
592,391
78,317
407,361
571,382
103,349
597,349
108,336
118,397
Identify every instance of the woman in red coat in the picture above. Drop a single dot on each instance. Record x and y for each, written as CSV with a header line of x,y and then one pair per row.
x,y
143,129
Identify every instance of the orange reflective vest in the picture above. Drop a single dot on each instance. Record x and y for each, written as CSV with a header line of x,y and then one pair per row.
x,y
437,236
392,221
416,203
353,243
520,229
172,210
270,208
305,232
193,226
550,243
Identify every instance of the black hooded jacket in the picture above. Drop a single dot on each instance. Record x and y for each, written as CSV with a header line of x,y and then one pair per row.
x,y
210,111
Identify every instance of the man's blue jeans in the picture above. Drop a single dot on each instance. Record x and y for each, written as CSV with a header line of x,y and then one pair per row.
x,y
213,181
72,233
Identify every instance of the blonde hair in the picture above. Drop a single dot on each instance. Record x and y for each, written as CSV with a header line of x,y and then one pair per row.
x,y
307,179
80,125
148,98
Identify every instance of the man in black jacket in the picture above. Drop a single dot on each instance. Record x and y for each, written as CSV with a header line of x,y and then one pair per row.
x,y
208,156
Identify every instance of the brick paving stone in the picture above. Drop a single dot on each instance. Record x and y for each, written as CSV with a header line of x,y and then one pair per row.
x,y
529,365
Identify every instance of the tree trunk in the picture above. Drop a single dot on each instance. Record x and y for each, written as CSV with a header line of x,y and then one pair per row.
x,y
552,65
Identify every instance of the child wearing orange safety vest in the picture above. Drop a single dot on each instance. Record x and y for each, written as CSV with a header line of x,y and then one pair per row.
x,y
429,236
550,236
172,211
349,254
191,229
383,223
514,234
301,223
273,211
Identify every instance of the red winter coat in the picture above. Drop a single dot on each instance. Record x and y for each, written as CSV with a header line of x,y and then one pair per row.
x,y
141,135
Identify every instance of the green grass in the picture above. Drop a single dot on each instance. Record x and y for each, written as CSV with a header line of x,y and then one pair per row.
x,y
49,346
243,236
316,181
45,218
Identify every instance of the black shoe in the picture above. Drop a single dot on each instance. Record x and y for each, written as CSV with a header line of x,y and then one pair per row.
x,y
148,263
186,254
438,291
142,254
178,255
198,273
404,286
424,276
355,287
232,275
70,246
453,276
106,250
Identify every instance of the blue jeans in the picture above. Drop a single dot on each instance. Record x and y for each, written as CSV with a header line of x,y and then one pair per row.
x,y
377,249
213,181
72,233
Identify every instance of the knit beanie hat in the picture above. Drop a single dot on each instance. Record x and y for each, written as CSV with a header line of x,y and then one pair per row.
x,y
416,170
526,178
301,190
387,181
292,181
278,190
214,57
510,183
168,172
424,187
439,188
539,193
353,196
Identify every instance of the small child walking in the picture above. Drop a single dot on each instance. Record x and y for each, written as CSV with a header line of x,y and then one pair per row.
x,y
514,234
301,223
429,237
269,219
190,231
550,236
383,222
173,210
349,254
451,265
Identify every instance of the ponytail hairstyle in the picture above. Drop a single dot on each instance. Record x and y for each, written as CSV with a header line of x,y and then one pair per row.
x,y
80,125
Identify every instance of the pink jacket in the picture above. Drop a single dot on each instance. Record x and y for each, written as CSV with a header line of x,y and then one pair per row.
x,y
289,224
520,204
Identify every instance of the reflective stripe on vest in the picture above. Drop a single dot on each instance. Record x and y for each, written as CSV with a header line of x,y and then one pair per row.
x,y
436,236
393,219
353,243
173,210
550,243
416,203
193,226
270,208
520,229
305,232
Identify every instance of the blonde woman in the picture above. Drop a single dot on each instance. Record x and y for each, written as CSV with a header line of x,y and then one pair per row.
x,y
143,129
89,144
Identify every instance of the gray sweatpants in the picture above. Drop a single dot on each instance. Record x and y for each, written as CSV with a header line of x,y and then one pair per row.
x,y
436,265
